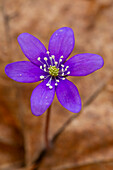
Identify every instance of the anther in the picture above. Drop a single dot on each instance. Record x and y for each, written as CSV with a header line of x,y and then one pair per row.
x,y
57,80
62,70
41,77
38,58
47,84
56,62
40,67
63,78
47,52
45,58
68,72
53,56
50,87
66,68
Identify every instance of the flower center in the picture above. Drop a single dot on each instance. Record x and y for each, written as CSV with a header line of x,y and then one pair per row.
x,y
53,71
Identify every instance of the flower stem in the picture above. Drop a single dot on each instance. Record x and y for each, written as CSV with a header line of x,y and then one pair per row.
x,y
47,128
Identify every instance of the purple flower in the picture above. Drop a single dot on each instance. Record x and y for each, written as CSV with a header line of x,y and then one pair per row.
x,y
51,67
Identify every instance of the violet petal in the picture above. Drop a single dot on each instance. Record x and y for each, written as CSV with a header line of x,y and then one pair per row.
x,y
62,43
24,71
42,98
68,96
32,47
84,64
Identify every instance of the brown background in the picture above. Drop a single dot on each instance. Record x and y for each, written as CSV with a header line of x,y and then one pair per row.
x,y
81,143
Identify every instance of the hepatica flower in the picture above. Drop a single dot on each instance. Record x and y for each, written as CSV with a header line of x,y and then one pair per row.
x,y
52,68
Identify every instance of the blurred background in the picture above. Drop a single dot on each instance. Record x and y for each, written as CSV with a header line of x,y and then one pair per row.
x,y
84,142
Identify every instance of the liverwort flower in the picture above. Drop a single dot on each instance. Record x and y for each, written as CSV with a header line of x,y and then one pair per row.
x,y
51,67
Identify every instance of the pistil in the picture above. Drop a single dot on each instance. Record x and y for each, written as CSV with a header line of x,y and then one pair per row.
x,y
53,71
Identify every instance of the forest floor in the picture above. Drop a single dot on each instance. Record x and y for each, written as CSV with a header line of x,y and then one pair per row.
x,y
79,142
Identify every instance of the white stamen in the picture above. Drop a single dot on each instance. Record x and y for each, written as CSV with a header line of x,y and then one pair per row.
x,y
50,87
20,74
66,68
40,67
38,58
51,61
56,84
63,78
60,60
41,77
68,72
53,56
45,58
62,65
47,52
57,80
62,70
56,62
62,74
47,76
47,84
